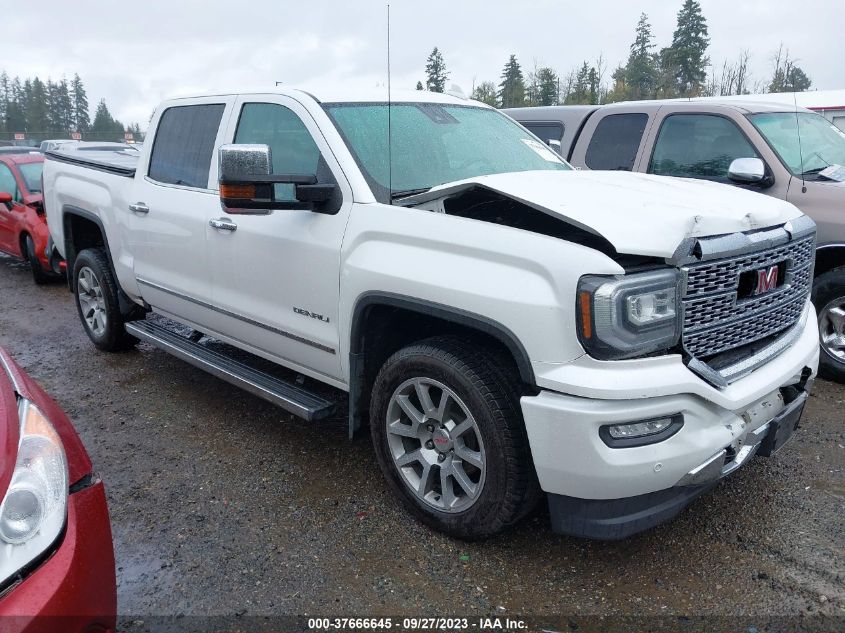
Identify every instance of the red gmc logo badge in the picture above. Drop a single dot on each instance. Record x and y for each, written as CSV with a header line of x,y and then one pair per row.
x,y
767,280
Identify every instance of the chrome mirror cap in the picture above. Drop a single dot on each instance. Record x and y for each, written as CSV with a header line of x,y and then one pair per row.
x,y
747,170
241,162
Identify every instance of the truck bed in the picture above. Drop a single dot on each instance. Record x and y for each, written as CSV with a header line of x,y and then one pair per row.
x,y
119,163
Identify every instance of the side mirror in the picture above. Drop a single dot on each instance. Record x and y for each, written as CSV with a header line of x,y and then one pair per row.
x,y
5,198
748,171
247,185
556,146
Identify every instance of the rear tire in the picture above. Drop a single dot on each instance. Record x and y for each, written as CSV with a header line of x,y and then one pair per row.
x,y
38,273
829,299
95,291
463,467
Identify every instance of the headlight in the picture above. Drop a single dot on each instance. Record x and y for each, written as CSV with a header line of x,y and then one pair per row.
x,y
628,315
33,512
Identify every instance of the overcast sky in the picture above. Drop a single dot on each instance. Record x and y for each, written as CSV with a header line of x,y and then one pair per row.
x,y
136,53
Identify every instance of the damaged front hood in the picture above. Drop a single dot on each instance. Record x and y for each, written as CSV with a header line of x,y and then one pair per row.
x,y
638,214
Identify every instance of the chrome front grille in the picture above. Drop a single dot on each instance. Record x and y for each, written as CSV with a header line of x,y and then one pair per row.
x,y
716,320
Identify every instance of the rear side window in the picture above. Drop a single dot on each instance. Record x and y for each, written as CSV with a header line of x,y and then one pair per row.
x,y
615,142
545,131
184,145
698,146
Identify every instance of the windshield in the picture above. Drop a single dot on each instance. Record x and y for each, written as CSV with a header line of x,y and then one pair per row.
x,y
31,173
434,144
822,143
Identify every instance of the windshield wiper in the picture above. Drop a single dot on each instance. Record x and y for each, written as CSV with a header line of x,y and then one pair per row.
x,y
395,195
815,170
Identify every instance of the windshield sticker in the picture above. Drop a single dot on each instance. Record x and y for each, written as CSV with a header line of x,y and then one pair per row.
x,y
833,172
542,151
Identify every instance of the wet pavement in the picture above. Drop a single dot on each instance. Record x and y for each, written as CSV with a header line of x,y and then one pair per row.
x,y
224,504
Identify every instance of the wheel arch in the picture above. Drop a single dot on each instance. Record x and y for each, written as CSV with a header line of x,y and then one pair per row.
x,y
373,340
82,229
828,257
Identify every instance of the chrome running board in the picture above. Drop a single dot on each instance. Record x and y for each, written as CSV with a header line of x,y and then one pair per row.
x,y
288,396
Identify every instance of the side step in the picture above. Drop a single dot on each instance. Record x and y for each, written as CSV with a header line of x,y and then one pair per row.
x,y
289,397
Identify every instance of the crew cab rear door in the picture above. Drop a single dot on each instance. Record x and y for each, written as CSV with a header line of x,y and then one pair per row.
x,y
276,276
613,138
170,205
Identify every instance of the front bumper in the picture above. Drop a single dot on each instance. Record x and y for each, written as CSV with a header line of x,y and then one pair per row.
x,y
602,492
74,590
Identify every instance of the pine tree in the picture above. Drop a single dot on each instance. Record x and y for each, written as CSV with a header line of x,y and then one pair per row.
x,y
15,112
548,85
512,88
485,92
583,87
435,70
37,114
81,119
5,98
686,58
640,77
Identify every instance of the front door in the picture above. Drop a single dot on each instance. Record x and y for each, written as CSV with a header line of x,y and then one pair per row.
x,y
169,208
276,275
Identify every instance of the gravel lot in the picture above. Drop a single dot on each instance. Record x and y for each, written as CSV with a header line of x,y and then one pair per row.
x,y
223,504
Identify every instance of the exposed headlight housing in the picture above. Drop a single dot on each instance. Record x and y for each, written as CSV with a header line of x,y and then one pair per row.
x,y
625,316
34,509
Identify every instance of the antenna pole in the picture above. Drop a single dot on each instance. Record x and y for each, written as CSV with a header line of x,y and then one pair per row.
x,y
800,151
389,117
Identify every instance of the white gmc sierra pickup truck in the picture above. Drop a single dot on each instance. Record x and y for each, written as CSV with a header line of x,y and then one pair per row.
x,y
506,325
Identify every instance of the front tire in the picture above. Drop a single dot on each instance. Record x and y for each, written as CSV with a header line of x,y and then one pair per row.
x,y
95,291
38,274
829,299
449,438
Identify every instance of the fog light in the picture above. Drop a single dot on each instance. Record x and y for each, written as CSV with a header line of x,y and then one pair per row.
x,y
638,429
641,432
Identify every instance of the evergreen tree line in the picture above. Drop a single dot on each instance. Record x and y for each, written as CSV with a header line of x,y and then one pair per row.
x,y
678,70
42,110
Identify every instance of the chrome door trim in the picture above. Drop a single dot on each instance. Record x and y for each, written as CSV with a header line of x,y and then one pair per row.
x,y
240,317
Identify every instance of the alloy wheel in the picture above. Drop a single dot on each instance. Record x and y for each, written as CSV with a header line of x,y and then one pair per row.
x,y
436,444
91,301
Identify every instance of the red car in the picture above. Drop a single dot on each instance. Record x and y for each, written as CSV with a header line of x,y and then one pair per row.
x,y
23,224
56,554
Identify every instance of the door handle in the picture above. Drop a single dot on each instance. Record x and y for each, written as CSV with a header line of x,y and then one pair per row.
x,y
139,207
224,224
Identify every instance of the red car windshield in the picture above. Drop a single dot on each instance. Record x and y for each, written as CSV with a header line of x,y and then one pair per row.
x,y
31,173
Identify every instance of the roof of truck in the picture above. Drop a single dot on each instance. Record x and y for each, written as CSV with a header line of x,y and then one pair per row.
x,y
362,95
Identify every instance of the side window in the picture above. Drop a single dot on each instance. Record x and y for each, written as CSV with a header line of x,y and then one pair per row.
x,y
698,146
8,183
291,146
545,131
184,145
615,142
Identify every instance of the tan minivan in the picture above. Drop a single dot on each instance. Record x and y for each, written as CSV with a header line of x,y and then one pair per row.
x,y
751,145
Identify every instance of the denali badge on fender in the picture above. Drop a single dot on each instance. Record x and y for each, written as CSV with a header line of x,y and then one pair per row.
x,y
313,315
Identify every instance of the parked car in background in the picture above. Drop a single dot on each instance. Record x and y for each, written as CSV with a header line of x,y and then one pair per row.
x,y
752,145
57,565
15,149
53,144
23,223
511,328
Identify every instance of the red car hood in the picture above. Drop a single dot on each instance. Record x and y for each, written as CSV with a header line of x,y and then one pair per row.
x,y
12,380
